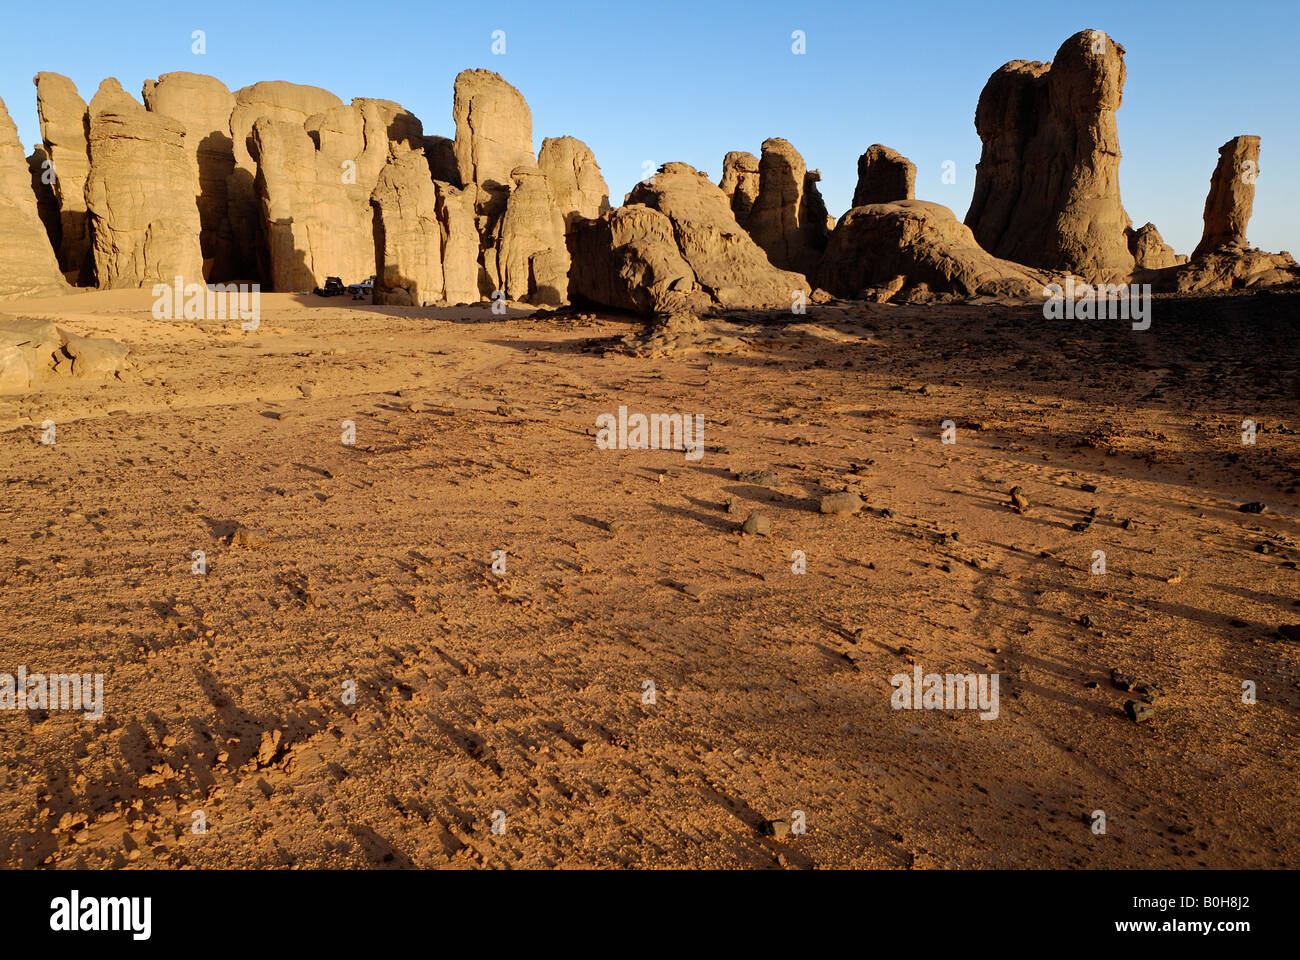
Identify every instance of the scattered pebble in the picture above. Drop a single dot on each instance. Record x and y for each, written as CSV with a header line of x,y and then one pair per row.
x,y
841,504
1137,711
1148,691
267,747
763,478
248,538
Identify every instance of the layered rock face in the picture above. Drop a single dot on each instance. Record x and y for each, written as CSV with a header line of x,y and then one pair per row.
x,y
884,176
28,266
1149,250
204,105
629,260
494,135
312,227
1047,183
574,177
460,243
315,182
64,130
360,138
426,244
501,217
788,219
369,132
276,100
819,222
47,204
740,183
675,245
1231,199
528,258
916,251
408,237
441,154
140,194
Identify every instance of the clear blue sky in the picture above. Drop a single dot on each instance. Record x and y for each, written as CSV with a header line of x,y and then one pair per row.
x,y
674,80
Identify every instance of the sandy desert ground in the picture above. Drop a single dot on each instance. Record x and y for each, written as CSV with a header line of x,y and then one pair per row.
x,y
370,564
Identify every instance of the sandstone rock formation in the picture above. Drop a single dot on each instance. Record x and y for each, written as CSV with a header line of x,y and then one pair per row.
x,y
408,239
456,221
1047,183
311,226
788,219
15,373
675,245
574,177
1227,268
629,260
92,358
1231,199
460,243
884,176
360,138
275,100
204,105
40,169
740,183
494,135
33,351
28,266
441,153
27,349
141,194
368,131
426,245
528,258
1149,250
315,182
1223,260
913,250
64,130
